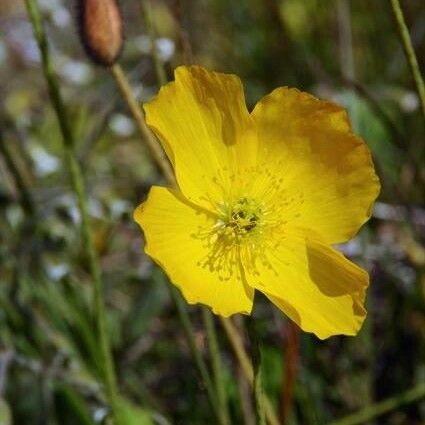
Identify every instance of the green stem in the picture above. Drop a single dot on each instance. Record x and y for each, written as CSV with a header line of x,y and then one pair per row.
x,y
246,366
159,67
409,51
256,361
78,185
217,366
375,410
190,336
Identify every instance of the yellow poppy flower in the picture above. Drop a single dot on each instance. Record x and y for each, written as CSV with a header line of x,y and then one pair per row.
x,y
261,197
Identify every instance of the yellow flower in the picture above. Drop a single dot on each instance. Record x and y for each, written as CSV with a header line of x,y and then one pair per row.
x,y
261,197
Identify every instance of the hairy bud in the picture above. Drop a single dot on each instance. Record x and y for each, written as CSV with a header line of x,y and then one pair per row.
x,y
101,30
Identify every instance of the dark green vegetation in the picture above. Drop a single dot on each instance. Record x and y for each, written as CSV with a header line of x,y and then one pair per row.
x,y
50,359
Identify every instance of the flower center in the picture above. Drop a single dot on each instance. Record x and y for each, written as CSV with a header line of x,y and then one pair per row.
x,y
252,210
237,220
241,233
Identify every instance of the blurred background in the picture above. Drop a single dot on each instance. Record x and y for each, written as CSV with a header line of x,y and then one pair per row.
x,y
346,51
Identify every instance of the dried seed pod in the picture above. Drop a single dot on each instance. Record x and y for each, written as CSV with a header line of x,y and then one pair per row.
x,y
101,30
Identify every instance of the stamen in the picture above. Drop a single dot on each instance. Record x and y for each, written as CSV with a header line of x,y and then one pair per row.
x,y
250,222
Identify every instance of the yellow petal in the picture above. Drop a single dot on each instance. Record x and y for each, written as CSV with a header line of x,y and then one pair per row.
x,y
323,165
204,126
315,285
172,229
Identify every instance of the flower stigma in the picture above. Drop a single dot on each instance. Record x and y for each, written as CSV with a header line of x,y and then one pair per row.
x,y
239,220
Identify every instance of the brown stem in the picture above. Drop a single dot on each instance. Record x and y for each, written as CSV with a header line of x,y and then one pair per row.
x,y
290,367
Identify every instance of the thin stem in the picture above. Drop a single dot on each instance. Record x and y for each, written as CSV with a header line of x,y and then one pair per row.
x,y
290,367
136,111
258,380
347,62
190,336
159,68
246,365
183,42
245,399
217,366
78,185
375,410
237,346
404,35
52,84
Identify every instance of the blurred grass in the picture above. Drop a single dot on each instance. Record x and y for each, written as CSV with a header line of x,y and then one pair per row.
x,y
49,356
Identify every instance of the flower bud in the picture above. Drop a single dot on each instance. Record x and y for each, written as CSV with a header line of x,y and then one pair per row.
x,y
101,30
